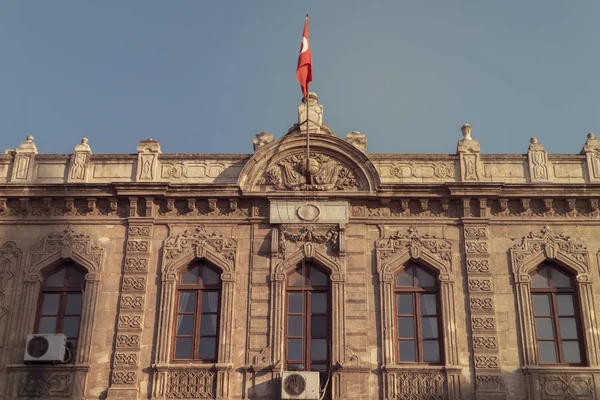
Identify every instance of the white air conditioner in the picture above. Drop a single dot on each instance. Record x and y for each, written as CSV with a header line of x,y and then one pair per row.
x,y
45,347
299,385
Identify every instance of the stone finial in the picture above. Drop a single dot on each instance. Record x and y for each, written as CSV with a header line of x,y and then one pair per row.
x,y
262,139
147,165
539,166
358,140
149,146
83,146
315,119
466,131
591,149
23,163
591,143
28,145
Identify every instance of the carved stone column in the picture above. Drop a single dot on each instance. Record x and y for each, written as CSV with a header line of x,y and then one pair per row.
x,y
130,320
483,322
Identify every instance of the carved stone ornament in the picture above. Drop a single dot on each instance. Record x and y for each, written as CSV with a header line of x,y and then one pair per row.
x,y
190,239
550,245
10,257
46,384
565,386
191,384
420,385
307,234
326,174
413,242
67,244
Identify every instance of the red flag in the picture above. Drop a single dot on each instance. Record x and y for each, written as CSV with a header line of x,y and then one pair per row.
x,y
304,70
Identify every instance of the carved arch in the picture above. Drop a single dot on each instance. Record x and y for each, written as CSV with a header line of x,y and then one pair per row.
x,y
308,252
392,254
178,252
564,250
338,151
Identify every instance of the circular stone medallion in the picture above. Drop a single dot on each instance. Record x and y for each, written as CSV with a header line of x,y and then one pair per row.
x,y
308,212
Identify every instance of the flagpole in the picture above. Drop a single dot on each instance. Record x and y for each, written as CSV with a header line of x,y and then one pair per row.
x,y
307,131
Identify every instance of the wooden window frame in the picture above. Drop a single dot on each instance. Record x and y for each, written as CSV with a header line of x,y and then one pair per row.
x,y
198,289
552,292
416,293
308,290
63,291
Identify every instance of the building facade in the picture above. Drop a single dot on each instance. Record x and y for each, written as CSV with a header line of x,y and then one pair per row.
x,y
396,276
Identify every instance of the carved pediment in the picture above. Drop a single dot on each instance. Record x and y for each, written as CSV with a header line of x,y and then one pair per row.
x,y
416,245
324,174
327,238
66,244
192,240
550,246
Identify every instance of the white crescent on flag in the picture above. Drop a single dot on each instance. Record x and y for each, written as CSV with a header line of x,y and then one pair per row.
x,y
304,45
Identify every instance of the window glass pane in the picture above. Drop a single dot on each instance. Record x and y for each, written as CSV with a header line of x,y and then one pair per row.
x,y
429,327
318,303
295,302
208,349
183,348
294,349
407,350
56,279
208,325
565,304
75,277
406,327
568,328
73,304
547,352
541,305
187,301
404,303
71,327
210,276
431,351
428,304
540,278
295,326
560,279
317,278
296,278
319,326
571,352
543,328
185,325
424,278
405,278
210,302
50,304
318,349
47,325
190,276
295,367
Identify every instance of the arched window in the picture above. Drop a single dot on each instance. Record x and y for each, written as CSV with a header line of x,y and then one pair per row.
x,y
556,314
197,319
418,322
59,308
308,322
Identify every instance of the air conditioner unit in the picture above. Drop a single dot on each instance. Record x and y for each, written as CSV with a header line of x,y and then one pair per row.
x,y
299,385
45,347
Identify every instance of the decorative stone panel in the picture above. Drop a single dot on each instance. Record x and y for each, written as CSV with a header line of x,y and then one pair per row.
x,y
489,383
538,162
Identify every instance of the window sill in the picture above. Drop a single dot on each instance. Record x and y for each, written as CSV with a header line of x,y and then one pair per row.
x,y
191,365
420,367
542,369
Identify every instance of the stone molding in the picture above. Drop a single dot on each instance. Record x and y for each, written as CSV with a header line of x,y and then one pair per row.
x,y
525,256
179,250
392,253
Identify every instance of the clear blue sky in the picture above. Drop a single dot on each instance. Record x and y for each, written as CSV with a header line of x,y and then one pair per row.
x,y
206,76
